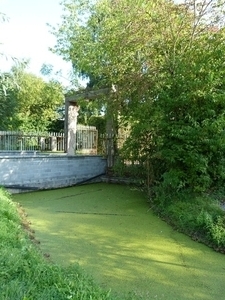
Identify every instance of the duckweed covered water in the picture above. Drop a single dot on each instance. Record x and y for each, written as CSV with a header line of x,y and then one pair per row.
x,y
111,232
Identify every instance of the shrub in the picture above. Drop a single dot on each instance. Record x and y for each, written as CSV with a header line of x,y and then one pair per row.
x,y
214,228
199,216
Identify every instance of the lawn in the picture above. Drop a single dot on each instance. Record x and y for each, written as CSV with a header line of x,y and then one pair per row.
x,y
114,236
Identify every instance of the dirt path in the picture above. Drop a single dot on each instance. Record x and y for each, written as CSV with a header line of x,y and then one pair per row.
x,y
110,231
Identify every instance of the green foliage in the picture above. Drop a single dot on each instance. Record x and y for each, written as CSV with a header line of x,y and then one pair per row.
x,y
200,217
8,105
214,227
32,104
167,63
90,113
99,122
37,100
26,274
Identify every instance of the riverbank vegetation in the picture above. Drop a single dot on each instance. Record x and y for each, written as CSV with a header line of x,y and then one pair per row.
x,y
26,273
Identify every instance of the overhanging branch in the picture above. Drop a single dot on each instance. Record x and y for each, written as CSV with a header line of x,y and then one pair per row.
x,y
89,95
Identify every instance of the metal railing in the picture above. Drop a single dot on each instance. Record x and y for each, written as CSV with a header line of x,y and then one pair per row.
x,y
86,140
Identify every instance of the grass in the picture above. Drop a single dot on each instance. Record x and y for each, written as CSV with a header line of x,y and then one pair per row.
x,y
200,216
114,236
25,274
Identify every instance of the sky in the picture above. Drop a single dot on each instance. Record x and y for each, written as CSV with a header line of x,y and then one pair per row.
x,y
25,35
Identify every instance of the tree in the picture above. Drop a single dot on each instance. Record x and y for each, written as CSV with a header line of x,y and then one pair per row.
x,y
7,104
7,81
27,102
36,101
166,60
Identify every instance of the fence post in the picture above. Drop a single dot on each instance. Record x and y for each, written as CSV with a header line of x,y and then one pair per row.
x,y
53,143
42,143
110,142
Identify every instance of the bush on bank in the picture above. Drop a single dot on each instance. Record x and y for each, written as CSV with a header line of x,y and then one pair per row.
x,y
200,216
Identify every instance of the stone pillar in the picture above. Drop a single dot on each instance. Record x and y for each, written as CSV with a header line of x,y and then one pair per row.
x,y
71,126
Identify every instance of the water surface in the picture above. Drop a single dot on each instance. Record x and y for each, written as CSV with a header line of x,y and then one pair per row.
x,y
111,232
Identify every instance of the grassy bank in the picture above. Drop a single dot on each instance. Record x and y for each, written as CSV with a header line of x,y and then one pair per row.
x,y
25,274
199,216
